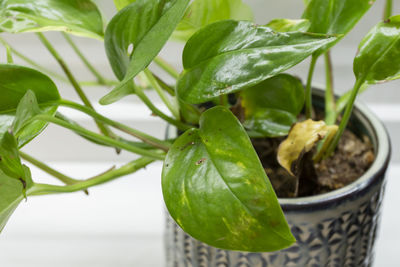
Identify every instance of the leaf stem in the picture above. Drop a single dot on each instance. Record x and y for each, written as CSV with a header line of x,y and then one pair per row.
x,y
308,93
73,81
344,99
100,138
96,83
62,177
345,119
165,86
154,83
85,61
388,9
139,92
31,62
330,105
41,189
167,67
120,126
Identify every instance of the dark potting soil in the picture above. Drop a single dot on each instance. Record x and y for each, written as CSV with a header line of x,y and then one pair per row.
x,y
352,159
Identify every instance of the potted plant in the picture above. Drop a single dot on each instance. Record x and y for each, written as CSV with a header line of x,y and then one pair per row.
x,y
238,116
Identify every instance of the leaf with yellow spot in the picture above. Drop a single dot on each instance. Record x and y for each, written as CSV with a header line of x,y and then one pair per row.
x,y
302,138
216,189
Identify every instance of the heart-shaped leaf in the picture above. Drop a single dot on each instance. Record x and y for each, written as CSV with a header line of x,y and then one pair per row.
x,y
143,27
79,17
15,82
228,56
335,16
216,189
289,25
203,12
378,59
271,107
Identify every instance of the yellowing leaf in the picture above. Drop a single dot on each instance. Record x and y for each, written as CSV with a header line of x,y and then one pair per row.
x,y
301,139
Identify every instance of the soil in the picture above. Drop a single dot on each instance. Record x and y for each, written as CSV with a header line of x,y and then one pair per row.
x,y
352,158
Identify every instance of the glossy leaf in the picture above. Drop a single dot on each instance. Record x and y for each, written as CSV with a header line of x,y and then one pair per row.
x,y
15,82
203,12
79,17
302,138
143,27
289,25
228,56
378,59
120,4
11,194
335,16
269,122
216,189
271,107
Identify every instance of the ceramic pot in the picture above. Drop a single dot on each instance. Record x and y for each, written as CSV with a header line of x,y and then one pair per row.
x,y
332,229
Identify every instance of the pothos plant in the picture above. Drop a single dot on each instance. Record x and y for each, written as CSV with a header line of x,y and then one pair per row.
x,y
213,183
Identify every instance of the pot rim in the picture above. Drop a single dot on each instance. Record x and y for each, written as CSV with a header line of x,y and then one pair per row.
x,y
381,142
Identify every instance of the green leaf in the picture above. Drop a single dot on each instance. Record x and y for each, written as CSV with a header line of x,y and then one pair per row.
x,y
228,56
120,4
203,12
27,108
10,162
15,82
335,16
79,17
378,59
11,194
216,189
144,26
289,25
271,107
269,122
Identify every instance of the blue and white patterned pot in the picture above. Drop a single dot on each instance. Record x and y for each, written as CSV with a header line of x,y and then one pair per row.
x,y
332,229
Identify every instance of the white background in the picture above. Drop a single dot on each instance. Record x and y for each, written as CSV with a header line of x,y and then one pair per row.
x,y
121,223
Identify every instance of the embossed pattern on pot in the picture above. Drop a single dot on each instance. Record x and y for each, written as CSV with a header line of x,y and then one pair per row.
x,y
344,240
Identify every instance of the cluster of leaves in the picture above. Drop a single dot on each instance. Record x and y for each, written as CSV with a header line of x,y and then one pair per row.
x,y
213,183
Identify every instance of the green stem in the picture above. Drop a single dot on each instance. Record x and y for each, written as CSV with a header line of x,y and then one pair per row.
x,y
388,9
73,81
33,63
153,82
223,100
10,59
308,86
165,86
167,67
136,133
100,138
41,189
330,105
345,119
91,68
96,83
344,99
62,177
180,125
